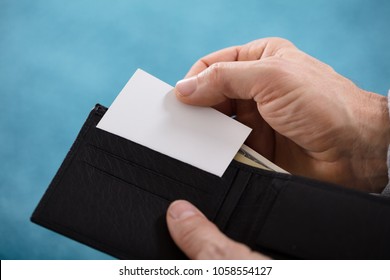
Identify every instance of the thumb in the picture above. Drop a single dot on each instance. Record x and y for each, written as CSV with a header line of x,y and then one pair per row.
x,y
219,82
198,238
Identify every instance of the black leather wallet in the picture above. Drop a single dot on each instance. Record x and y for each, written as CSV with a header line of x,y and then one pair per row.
x,y
112,194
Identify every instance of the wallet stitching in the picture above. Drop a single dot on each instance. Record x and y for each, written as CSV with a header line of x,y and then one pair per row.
x,y
129,162
124,181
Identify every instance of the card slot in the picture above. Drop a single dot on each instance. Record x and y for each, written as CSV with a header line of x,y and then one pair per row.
x,y
103,172
151,182
159,163
132,163
109,214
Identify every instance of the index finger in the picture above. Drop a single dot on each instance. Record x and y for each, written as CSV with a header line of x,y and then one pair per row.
x,y
254,50
224,55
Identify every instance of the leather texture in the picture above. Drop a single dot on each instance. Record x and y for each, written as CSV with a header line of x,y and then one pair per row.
x,y
112,194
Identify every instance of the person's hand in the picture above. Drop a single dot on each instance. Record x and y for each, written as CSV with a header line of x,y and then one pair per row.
x,y
305,117
199,239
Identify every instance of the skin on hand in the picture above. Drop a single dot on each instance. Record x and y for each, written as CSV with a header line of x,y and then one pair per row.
x,y
200,239
305,117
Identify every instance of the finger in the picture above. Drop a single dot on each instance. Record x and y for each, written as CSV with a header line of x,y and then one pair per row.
x,y
263,48
208,66
198,238
254,50
222,81
227,54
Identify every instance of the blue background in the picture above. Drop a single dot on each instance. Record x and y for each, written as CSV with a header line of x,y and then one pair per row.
x,y
59,58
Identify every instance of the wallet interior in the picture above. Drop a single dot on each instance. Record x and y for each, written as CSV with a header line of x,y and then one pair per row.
x,y
112,194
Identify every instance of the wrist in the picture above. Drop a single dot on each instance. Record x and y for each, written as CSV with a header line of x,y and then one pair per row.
x,y
369,153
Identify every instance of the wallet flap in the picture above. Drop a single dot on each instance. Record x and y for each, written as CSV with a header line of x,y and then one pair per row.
x,y
326,222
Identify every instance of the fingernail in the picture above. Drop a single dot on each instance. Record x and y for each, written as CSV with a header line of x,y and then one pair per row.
x,y
187,86
181,209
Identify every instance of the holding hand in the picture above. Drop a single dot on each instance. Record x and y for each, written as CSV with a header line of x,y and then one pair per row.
x,y
306,118
199,239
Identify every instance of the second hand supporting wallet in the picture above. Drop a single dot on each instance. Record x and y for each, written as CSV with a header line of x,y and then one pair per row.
x,y
112,194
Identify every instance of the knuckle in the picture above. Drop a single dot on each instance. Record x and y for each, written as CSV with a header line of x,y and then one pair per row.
x,y
278,41
201,242
214,75
190,235
213,250
268,47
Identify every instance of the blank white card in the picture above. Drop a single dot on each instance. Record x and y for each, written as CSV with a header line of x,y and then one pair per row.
x,y
147,112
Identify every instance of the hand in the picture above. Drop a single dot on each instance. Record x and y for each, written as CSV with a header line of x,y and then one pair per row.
x,y
306,118
199,239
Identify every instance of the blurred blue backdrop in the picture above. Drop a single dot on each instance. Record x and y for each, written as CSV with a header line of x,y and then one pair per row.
x,y
59,58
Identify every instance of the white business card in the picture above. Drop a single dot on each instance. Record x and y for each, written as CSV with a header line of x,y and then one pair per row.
x,y
147,112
